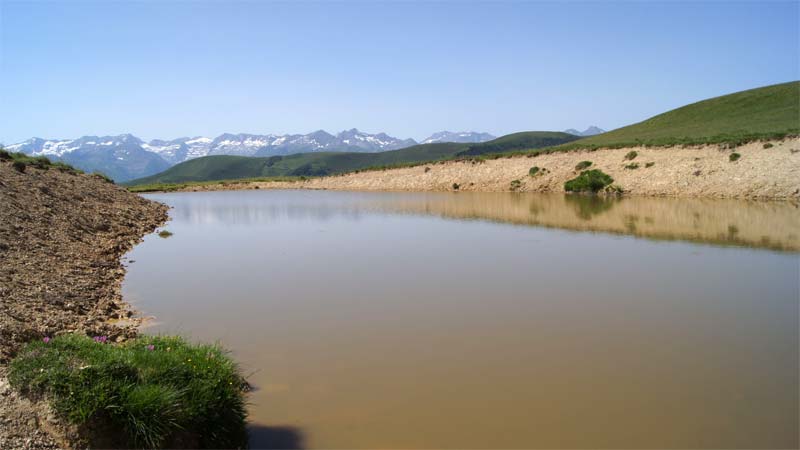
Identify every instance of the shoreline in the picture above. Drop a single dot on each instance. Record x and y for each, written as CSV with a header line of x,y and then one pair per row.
x,y
765,171
62,239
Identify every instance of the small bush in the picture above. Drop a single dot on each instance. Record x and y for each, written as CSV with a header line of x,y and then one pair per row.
x,y
515,184
427,169
456,186
4,154
164,234
534,170
632,166
583,165
650,164
631,155
19,166
154,390
768,145
734,157
588,181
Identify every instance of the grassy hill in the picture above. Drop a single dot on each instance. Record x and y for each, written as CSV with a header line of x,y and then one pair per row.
x,y
212,168
763,113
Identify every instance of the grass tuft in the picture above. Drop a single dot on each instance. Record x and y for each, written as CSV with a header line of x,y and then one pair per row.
x,y
156,389
583,165
631,155
164,234
734,157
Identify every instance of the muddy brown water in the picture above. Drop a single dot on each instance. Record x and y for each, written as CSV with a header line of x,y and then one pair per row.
x,y
469,320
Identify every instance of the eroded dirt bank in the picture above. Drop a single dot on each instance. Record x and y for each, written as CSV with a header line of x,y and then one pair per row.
x,y
705,171
61,239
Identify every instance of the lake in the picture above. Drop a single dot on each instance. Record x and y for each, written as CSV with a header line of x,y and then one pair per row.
x,y
476,320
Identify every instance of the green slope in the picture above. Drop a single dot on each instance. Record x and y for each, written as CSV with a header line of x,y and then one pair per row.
x,y
762,113
211,168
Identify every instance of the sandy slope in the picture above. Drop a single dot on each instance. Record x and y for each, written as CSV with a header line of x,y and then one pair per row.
x,y
61,239
706,171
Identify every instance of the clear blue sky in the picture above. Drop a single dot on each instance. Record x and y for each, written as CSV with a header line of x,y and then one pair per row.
x,y
170,69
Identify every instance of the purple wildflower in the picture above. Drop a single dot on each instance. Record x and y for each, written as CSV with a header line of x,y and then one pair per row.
x,y
151,347
46,340
101,339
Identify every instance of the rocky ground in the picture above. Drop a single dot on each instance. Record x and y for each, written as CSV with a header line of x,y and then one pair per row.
x,y
61,239
765,171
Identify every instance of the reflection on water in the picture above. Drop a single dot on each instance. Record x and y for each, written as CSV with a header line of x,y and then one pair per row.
x,y
771,225
374,320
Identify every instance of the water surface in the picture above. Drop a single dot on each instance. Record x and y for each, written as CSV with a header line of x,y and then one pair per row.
x,y
441,320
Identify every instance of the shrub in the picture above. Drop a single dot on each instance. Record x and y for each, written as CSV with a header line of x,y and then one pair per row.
x,y
631,155
632,166
154,390
19,166
534,170
4,155
650,164
164,234
768,145
515,184
456,186
734,157
588,181
583,165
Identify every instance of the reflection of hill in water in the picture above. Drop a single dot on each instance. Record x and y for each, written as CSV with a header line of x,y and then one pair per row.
x,y
770,225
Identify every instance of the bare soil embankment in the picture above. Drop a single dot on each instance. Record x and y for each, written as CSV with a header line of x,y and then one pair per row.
x,y
61,239
702,171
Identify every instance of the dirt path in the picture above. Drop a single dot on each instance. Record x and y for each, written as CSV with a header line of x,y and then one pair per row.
x,y
61,239
706,171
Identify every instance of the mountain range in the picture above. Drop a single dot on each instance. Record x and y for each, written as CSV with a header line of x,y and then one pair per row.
x,y
591,131
127,157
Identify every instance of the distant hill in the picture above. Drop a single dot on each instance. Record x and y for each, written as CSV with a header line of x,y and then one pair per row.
x,y
766,112
327,163
591,131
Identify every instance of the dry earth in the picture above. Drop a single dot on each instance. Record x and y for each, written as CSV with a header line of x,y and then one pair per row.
x,y
61,239
703,171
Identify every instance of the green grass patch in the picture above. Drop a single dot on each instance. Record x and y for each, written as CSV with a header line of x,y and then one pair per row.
x,y
583,165
631,155
588,181
171,187
164,234
534,170
153,390
515,184
633,166
734,157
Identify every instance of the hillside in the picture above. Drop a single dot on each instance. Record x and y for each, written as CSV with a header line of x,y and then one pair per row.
x,y
761,113
328,163
62,234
